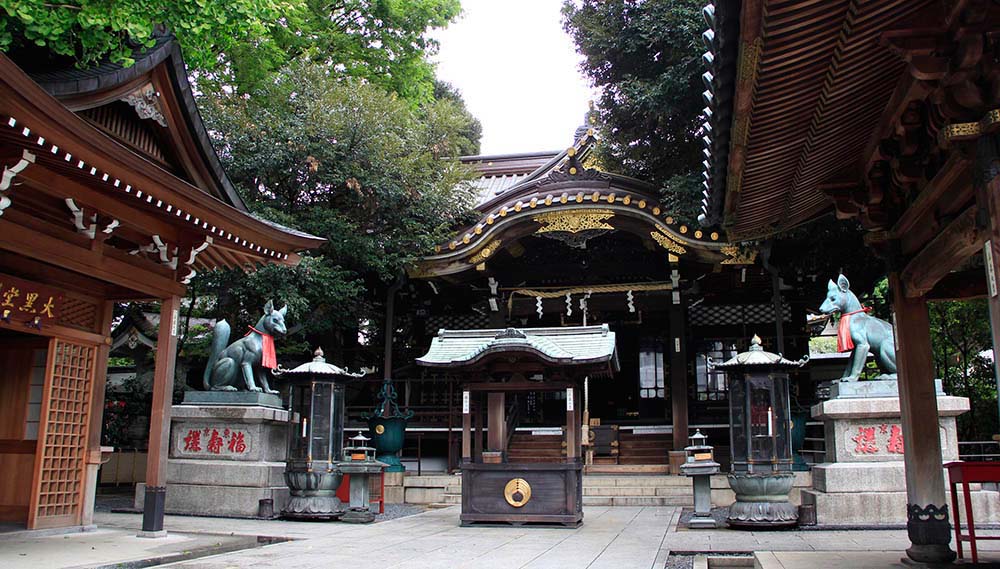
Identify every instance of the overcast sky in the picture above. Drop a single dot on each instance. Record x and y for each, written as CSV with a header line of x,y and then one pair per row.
x,y
518,72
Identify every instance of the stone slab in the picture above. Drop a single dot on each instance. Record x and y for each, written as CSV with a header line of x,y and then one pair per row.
x,y
226,473
866,389
228,433
246,414
884,508
253,398
222,501
877,407
855,476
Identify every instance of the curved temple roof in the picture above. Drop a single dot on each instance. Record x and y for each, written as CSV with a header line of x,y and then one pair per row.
x,y
524,194
573,345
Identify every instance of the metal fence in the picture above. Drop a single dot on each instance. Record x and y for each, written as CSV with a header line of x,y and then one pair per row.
x,y
979,451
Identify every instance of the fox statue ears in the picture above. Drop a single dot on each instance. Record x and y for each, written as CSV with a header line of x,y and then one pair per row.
x,y
269,308
842,284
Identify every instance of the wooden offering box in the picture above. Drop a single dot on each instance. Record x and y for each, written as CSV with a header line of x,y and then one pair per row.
x,y
502,366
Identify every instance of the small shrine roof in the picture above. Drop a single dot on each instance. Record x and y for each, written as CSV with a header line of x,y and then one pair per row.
x,y
571,345
756,356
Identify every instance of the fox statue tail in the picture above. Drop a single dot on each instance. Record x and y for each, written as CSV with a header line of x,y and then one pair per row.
x,y
220,339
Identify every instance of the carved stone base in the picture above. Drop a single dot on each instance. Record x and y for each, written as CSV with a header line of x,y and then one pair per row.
x,y
313,508
358,516
762,501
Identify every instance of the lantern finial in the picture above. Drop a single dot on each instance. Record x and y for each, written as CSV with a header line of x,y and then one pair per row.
x,y
755,344
318,355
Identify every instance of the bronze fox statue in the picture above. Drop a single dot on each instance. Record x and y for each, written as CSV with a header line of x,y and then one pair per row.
x,y
245,359
859,331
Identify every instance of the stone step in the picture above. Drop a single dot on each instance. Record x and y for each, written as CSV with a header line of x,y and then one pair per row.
x,y
452,497
638,501
430,480
637,491
625,469
604,480
643,460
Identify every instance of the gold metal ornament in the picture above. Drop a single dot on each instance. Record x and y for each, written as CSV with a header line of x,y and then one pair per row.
x,y
517,492
379,429
574,221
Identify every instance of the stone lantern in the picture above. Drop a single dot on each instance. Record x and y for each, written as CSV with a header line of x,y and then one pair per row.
x,y
700,465
315,438
360,465
760,431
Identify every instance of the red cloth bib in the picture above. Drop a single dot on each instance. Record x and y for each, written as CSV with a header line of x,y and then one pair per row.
x,y
844,341
268,358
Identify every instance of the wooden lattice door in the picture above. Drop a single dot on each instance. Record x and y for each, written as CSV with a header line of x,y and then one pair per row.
x,y
58,487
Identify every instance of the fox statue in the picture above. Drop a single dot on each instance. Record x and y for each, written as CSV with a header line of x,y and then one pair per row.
x,y
859,331
247,358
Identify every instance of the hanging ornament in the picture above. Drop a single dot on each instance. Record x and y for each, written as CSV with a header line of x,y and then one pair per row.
x,y
538,306
569,304
631,301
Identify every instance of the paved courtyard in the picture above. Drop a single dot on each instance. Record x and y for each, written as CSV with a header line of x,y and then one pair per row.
x,y
611,538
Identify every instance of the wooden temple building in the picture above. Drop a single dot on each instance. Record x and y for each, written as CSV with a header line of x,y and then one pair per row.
x,y
110,191
886,113
560,243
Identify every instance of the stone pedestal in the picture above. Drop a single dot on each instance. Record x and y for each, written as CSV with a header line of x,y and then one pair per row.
x,y
359,510
862,481
225,459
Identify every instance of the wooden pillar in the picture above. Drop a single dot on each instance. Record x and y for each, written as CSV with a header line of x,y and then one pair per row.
x,y
572,424
159,419
676,346
477,426
495,438
466,427
991,261
93,456
926,505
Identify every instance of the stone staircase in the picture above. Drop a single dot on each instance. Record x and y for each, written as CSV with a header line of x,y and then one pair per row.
x,y
598,490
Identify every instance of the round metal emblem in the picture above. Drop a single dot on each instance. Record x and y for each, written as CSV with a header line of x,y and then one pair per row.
x,y
379,429
517,492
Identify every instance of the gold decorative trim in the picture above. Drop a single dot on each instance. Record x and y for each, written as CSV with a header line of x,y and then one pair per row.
x,y
517,492
574,221
961,130
749,58
738,255
486,252
668,242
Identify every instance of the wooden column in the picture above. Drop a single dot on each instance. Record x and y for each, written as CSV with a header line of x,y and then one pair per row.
x,y
97,417
477,426
927,507
991,260
159,419
495,438
572,425
676,347
466,427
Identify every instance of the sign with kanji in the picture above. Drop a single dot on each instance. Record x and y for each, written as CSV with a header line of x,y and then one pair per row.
x,y
872,439
25,302
193,441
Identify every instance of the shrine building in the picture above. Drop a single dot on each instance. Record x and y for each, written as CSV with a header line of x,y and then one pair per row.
x,y
110,192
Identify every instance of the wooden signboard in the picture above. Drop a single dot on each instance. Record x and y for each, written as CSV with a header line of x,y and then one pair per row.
x,y
28,303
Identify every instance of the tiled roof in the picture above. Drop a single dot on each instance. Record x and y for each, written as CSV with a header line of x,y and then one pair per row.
x,y
568,345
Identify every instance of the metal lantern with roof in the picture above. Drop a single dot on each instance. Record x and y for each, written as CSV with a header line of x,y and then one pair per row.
x,y
760,431
360,465
315,438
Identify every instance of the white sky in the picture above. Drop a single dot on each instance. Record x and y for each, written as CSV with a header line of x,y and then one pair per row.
x,y
518,72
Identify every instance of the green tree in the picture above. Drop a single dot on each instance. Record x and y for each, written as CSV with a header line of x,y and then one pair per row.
x,y
343,159
89,30
645,56
242,43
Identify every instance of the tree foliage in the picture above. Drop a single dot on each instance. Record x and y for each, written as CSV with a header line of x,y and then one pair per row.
x,y
242,43
345,160
645,56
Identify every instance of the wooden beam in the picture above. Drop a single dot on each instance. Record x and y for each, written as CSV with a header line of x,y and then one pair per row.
x,y
954,170
960,285
57,252
959,240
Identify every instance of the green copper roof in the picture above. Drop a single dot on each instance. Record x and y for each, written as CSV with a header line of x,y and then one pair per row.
x,y
571,345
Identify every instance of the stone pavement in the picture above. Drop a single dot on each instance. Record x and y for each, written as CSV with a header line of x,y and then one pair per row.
x,y
611,537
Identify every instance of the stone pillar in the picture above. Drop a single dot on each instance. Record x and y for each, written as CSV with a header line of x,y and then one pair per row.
x,y
159,419
927,520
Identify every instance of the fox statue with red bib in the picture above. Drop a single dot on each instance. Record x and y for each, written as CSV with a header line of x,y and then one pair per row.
x,y
859,332
248,358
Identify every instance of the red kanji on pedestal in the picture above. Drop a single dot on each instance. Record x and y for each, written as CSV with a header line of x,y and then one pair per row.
x,y
895,445
237,443
192,442
215,443
865,441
